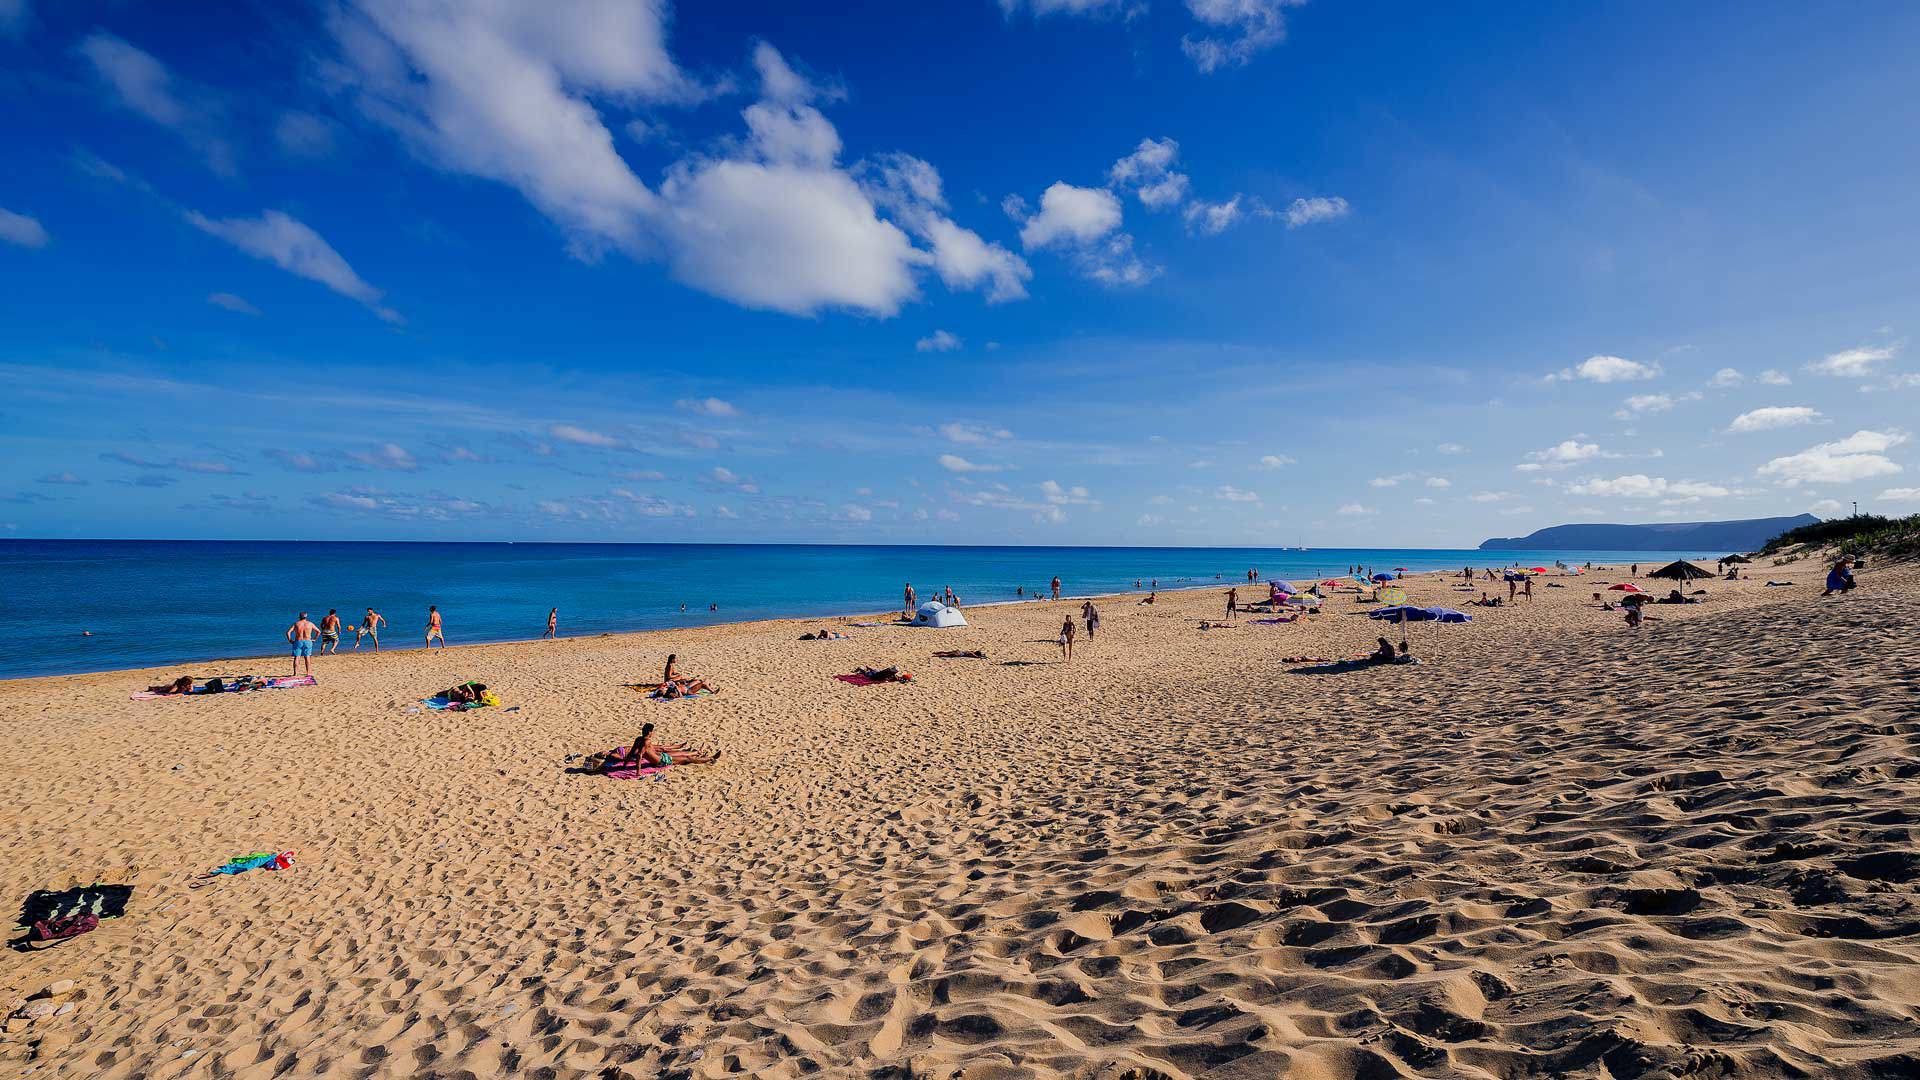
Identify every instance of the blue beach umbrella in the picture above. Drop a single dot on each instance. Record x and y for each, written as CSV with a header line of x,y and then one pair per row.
x,y
1383,577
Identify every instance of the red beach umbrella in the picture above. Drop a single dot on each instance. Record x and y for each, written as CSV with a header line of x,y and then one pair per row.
x,y
1625,586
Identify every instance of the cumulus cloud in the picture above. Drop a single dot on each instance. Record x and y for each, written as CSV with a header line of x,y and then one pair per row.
x,y
22,230
1607,369
1309,211
1726,379
1355,510
297,249
1490,496
1642,404
958,464
508,92
1857,363
1774,416
1236,31
710,406
1229,493
1071,215
1906,494
938,341
1642,486
1148,173
232,303
1854,458
1450,448
1439,482
1389,481
299,460
1061,495
386,456
910,189
1212,219
972,434
579,436
1277,461
1770,377
1563,455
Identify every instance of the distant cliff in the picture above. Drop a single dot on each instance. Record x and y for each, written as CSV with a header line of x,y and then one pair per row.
x,y
1708,537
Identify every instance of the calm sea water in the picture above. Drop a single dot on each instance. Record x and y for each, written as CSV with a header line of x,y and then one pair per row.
x,y
149,603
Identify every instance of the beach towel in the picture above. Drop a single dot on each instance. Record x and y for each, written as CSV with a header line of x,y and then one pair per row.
x,y
439,701
868,680
242,684
866,624
101,901
259,860
1270,622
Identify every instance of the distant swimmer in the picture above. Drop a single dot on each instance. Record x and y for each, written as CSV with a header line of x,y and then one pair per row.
x,y
369,628
436,631
301,635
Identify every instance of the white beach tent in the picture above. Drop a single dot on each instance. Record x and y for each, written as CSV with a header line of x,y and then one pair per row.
x,y
935,613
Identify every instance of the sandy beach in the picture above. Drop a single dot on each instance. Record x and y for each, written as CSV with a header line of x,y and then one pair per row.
x,y
1555,848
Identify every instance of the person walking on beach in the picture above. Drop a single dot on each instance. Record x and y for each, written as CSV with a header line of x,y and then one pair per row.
x,y
301,635
553,624
1233,603
1066,638
1635,572
1056,586
1526,587
1091,615
909,609
1512,588
369,627
435,631
330,632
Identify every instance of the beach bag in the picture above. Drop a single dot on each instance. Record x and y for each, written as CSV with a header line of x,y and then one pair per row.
x,y
48,930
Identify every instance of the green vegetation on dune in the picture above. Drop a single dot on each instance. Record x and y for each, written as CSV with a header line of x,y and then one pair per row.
x,y
1862,534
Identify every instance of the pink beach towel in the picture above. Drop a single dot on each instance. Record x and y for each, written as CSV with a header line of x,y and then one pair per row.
x,y
618,768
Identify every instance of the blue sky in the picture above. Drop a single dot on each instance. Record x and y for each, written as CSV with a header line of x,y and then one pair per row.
x,y
1005,271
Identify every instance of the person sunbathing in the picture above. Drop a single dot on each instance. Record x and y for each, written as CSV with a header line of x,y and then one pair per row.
x,y
648,752
684,687
962,654
1150,598
885,674
181,685
466,693
824,634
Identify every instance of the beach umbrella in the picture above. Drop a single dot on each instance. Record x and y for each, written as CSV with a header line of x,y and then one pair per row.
x,y
1538,570
1736,559
1399,569
1625,586
1681,571
1406,613
1390,594
1383,577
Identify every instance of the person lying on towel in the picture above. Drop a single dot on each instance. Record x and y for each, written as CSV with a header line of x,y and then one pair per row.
x,y
649,752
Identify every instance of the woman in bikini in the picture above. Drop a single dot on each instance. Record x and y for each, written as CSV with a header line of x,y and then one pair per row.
x,y
651,753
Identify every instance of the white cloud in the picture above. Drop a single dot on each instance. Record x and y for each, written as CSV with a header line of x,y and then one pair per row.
x,y
910,190
1071,215
1277,461
342,500
1050,515
1827,507
1237,30
972,434
1212,219
1450,448
22,230
1641,404
1770,377
1061,495
1490,496
1774,416
855,512
232,303
711,406
1857,363
1641,486
386,456
1607,369
1726,378
1389,481
938,341
1908,494
1148,171
143,84
1308,211
1355,510
297,249
1439,482
1229,493
579,436
1854,458
958,464
1906,381
507,92
1564,455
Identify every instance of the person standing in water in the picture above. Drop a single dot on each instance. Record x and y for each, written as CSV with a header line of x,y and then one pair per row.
x,y
1056,586
435,629
909,600
369,627
553,624
301,635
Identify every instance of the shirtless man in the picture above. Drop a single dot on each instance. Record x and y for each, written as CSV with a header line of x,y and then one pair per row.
x,y
553,624
301,635
434,628
369,627
1233,603
330,632
1056,586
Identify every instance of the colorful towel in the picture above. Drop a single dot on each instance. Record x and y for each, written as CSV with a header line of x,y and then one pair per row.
x,y
1270,622
441,702
652,690
259,860
243,684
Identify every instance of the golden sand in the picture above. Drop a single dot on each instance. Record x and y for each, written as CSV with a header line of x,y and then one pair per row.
x,y
1556,848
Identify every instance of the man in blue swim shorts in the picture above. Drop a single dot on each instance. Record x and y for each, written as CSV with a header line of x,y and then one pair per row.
x,y
302,635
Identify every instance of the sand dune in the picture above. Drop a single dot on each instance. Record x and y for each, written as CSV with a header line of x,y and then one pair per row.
x,y
1555,849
